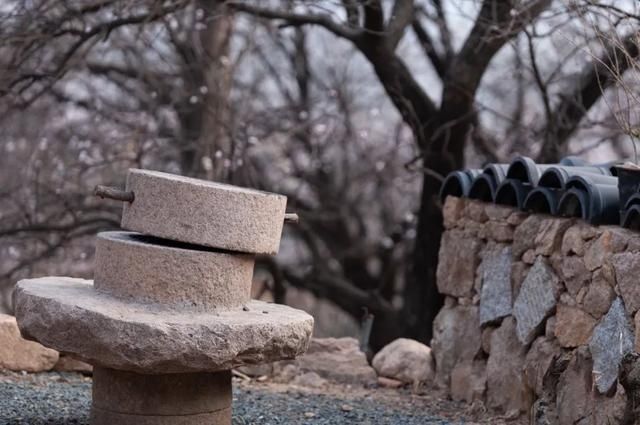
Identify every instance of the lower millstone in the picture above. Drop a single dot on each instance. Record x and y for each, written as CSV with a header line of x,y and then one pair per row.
x,y
127,398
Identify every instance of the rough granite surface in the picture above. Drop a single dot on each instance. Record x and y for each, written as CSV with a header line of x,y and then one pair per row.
x,y
203,212
142,269
68,315
612,339
535,301
495,298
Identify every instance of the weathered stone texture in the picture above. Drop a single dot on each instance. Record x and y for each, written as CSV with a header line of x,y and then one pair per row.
x,y
68,315
133,267
612,339
627,274
335,359
525,235
406,360
574,274
499,232
574,390
456,338
611,241
637,338
575,238
204,212
539,360
452,211
496,212
519,271
575,284
469,381
475,210
536,300
599,296
549,237
495,297
18,354
506,386
69,364
573,326
457,263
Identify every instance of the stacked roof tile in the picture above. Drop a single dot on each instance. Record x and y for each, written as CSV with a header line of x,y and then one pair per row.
x,y
570,188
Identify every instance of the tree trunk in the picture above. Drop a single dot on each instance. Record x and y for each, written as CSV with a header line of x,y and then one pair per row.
x,y
215,142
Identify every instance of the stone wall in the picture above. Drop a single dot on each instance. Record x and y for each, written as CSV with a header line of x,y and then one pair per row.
x,y
539,312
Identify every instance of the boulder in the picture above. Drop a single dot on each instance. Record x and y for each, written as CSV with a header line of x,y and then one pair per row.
x,y
456,337
612,339
69,364
536,300
506,385
405,360
573,326
455,277
338,360
17,354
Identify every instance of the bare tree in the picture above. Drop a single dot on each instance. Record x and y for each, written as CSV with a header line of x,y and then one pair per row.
x,y
441,131
261,94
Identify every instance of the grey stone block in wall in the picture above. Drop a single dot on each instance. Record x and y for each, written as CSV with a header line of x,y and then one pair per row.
x,y
495,299
612,339
536,300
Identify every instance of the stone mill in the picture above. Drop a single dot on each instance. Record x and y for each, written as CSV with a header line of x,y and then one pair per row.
x,y
169,312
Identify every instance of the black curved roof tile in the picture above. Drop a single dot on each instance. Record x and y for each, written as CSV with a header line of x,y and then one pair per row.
x,y
631,217
512,192
483,188
542,200
571,188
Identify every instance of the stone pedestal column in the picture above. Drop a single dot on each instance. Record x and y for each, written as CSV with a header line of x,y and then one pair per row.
x,y
127,398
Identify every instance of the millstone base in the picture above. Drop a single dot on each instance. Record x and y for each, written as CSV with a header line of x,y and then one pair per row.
x,y
126,398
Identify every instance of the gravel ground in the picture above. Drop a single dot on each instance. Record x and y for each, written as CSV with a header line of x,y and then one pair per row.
x,y
64,398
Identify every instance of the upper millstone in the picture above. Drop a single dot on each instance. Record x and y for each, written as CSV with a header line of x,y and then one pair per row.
x,y
203,212
139,268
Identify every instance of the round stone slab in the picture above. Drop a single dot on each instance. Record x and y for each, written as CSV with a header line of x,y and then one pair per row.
x,y
146,269
68,315
203,212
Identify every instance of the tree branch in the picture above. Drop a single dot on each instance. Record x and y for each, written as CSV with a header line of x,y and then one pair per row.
x,y
608,69
426,43
401,16
296,19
